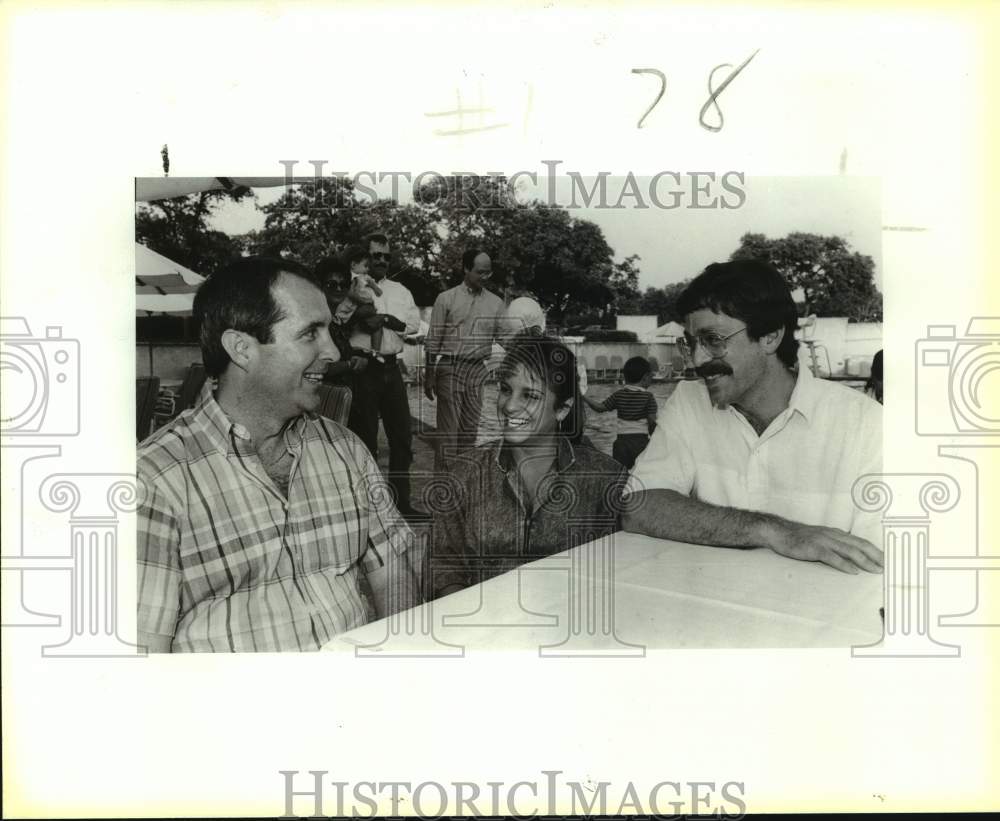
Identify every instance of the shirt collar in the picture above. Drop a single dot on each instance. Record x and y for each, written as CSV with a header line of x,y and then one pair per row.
x,y
225,434
805,394
565,455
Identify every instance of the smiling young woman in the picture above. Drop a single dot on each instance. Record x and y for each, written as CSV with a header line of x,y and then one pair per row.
x,y
522,496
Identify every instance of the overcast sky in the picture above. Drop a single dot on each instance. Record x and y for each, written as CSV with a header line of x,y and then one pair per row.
x,y
679,242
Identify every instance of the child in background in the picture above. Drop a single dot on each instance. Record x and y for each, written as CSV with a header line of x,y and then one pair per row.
x,y
358,303
636,408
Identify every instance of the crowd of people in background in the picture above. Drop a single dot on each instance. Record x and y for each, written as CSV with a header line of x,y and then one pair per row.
x,y
265,526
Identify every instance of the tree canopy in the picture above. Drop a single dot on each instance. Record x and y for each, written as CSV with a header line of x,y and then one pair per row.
x,y
178,229
835,280
565,261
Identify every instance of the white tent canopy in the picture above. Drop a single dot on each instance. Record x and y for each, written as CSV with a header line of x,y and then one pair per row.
x,y
671,330
162,285
156,188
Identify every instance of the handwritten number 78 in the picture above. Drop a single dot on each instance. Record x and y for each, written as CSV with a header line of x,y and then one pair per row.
x,y
713,92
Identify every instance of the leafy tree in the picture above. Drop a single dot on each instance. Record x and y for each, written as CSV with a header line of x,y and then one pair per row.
x,y
178,229
565,261
316,220
835,280
663,302
625,285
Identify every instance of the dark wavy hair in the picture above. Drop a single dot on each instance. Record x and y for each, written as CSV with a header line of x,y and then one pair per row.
x,y
751,290
554,364
239,297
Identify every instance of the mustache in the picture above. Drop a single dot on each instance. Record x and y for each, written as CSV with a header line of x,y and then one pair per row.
x,y
712,368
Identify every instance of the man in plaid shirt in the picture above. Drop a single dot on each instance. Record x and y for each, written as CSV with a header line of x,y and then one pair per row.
x,y
262,526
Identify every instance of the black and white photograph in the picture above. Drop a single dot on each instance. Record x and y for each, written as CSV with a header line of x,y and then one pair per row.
x,y
602,447
561,409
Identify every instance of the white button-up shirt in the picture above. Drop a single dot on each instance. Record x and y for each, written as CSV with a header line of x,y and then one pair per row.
x,y
801,468
396,300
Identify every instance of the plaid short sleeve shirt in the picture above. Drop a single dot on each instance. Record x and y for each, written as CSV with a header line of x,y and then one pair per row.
x,y
227,563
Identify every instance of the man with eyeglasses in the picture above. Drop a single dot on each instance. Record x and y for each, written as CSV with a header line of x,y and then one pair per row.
x,y
380,392
759,453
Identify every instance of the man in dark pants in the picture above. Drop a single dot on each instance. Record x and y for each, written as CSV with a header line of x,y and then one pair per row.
x,y
380,391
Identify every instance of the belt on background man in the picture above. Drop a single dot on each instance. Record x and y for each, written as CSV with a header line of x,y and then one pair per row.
x,y
382,358
449,359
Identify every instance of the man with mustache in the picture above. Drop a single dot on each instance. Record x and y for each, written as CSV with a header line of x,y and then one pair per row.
x,y
760,453
380,391
262,526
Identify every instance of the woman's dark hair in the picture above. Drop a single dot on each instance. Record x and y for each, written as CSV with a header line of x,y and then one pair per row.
x,y
333,268
751,290
239,297
554,364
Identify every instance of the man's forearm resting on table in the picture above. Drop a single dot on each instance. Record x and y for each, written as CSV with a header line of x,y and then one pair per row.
x,y
667,514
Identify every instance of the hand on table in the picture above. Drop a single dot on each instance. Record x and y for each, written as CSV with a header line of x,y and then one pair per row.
x,y
813,543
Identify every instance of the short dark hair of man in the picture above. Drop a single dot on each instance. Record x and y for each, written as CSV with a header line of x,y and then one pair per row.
x,y
239,297
469,258
377,237
635,369
751,290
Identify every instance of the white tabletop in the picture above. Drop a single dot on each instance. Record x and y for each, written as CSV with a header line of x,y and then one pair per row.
x,y
662,594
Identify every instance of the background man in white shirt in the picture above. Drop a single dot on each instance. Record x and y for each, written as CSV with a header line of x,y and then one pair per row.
x,y
380,392
758,454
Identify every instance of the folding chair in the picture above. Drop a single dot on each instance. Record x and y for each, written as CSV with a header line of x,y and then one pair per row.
x,y
194,381
617,363
146,390
601,366
335,402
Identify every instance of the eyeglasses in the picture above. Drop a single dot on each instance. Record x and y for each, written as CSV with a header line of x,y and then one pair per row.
x,y
379,255
711,343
